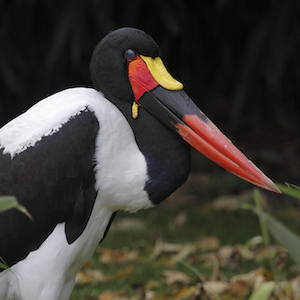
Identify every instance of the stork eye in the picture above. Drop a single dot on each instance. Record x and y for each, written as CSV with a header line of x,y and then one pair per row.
x,y
129,54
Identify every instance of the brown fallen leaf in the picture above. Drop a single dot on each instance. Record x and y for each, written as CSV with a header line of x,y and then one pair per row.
x,y
108,295
149,295
171,277
185,293
218,287
180,294
295,284
140,291
200,294
107,256
283,290
178,221
254,278
247,278
152,284
162,297
89,276
121,274
162,247
239,288
231,202
209,258
112,256
229,256
262,276
186,251
278,254
209,243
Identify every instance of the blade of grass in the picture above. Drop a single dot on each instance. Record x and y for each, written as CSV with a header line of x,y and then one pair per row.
x,y
282,234
262,222
3,264
264,229
263,291
290,189
8,202
24,211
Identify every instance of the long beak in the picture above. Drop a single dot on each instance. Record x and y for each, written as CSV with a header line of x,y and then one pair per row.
x,y
163,96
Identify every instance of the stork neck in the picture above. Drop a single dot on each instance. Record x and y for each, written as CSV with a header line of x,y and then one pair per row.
x,y
167,155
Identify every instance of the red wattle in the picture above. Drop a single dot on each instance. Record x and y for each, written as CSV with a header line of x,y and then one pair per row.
x,y
140,78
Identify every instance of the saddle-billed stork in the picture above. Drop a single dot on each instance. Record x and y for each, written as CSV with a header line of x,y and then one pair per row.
x,y
77,157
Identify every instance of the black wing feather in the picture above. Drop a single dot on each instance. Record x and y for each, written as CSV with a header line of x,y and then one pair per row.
x,y
55,181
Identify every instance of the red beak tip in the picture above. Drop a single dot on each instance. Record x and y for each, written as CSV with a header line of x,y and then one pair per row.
x,y
269,185
274,188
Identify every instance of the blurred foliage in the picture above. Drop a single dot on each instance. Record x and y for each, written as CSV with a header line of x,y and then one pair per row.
x,y
239,60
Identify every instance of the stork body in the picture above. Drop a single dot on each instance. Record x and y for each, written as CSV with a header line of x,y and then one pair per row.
x,y
77,157
64,133
117,162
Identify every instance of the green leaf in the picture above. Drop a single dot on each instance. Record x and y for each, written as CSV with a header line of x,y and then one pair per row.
x,y
3,266
7,202
289,189
259,212
24,211
284,236
263,291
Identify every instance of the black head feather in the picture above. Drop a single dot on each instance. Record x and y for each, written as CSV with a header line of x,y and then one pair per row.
x,y
108,65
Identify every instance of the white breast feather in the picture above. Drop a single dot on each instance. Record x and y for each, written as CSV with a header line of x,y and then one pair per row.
x,y
121,169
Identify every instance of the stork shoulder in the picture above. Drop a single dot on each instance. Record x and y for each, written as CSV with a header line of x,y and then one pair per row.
x,y
47,117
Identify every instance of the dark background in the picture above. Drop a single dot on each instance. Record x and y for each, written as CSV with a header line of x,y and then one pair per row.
x,y
239,61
